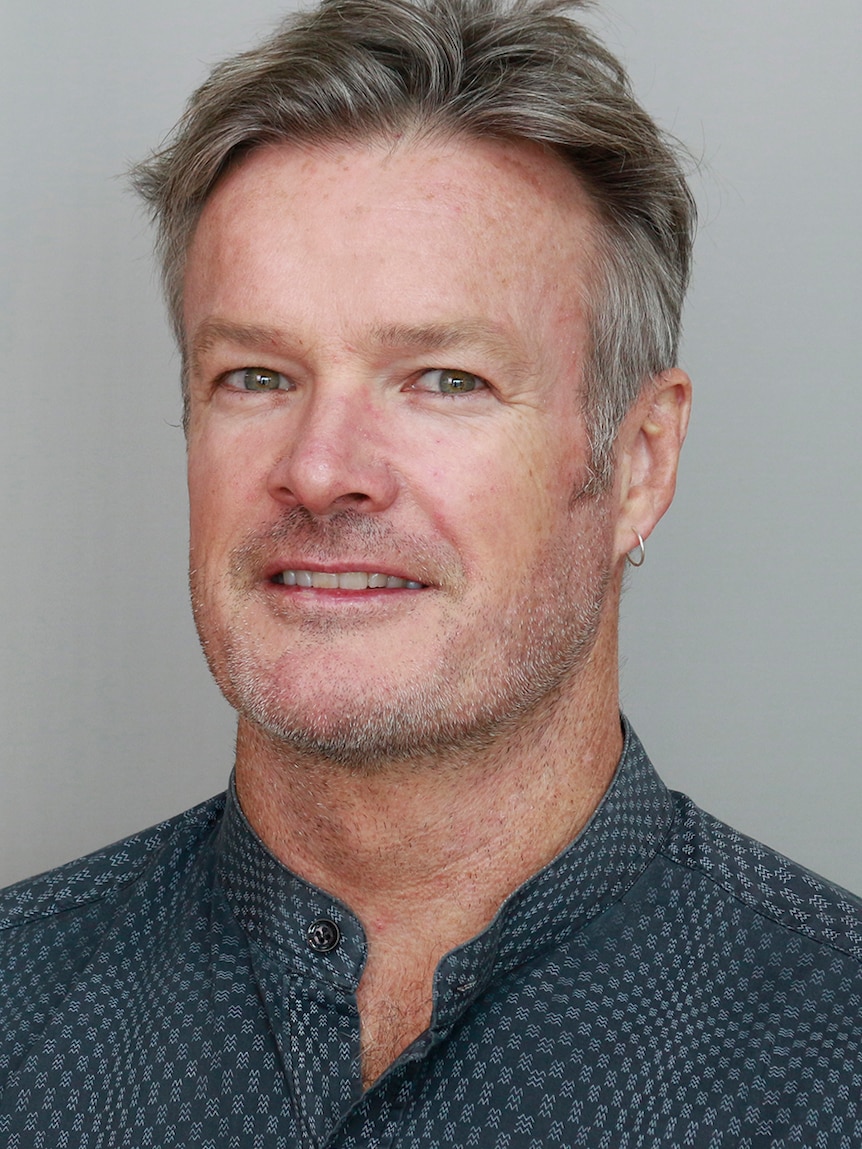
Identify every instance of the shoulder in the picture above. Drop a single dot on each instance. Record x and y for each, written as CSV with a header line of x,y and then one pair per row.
x,y
100,875
781,892
53,926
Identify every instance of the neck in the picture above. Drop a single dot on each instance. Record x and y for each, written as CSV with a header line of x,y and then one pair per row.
x,y
437,844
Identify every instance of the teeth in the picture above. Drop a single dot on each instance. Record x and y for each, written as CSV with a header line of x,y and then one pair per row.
x,y
328,580
344,580
353,580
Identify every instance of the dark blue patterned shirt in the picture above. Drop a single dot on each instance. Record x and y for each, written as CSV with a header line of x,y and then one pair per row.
x,y
664,982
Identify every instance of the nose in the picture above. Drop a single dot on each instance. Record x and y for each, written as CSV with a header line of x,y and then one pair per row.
x,y
335,456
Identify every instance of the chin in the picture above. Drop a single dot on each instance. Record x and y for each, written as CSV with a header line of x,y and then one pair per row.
x,y
361,731
460,706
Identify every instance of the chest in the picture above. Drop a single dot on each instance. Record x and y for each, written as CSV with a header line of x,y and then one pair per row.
x,y
395,1002
547,1057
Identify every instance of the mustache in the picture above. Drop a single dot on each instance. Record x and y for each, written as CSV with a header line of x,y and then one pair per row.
x,y
299,534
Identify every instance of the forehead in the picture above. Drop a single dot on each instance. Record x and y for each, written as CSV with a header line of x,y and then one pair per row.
x,y
386,232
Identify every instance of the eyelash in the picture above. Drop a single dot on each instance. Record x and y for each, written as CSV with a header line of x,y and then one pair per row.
x,y
239,379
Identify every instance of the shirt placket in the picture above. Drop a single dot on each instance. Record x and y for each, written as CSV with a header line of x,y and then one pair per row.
x,y
309,990
322,1052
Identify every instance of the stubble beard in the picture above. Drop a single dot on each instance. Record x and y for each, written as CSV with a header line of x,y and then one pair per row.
x,y
496,669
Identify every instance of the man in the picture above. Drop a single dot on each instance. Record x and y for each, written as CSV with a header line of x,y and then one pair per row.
x,y
426,266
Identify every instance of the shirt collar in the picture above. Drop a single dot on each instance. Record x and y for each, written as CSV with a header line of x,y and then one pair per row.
x,y
607,857
277,909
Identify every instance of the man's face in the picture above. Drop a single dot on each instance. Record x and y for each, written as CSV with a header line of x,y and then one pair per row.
x,y
386,346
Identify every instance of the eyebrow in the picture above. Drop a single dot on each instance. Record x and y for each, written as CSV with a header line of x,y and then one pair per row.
x,y
214,331
392,337
440,336
503,347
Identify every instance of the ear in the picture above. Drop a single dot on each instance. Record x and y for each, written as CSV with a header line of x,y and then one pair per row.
x,y
647,456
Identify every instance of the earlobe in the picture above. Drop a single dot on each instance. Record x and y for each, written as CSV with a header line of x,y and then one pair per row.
x,y
649,443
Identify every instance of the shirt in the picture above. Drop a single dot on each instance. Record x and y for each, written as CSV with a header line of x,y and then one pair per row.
x,y
664,982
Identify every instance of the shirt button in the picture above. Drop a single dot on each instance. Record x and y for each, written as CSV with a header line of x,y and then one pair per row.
x,y
323,936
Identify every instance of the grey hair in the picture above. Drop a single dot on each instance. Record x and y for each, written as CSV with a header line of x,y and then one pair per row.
x,y
505,69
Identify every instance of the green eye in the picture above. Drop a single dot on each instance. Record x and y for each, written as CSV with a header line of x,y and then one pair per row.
x,y
449,381
260,379
457,382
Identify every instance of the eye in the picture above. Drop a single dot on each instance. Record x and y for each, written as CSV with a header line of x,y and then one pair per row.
x,y
449,381
257,379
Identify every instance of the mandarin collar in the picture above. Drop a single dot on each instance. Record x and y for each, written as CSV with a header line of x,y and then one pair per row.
x,y
278,910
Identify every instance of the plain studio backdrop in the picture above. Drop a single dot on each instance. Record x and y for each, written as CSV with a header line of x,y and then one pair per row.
x,y
741,634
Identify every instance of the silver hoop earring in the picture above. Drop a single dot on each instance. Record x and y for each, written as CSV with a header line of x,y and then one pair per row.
x,y
641,550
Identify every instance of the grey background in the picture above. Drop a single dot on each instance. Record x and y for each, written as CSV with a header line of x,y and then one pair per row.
x,y
741,636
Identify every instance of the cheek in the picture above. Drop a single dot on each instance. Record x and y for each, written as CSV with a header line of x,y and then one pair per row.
x,y
502,496
541,469
224,483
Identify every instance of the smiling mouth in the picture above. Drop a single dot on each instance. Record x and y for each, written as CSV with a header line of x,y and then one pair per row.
x,y
343,580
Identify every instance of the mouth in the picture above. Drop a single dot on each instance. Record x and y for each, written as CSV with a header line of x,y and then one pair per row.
x,y
343,580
